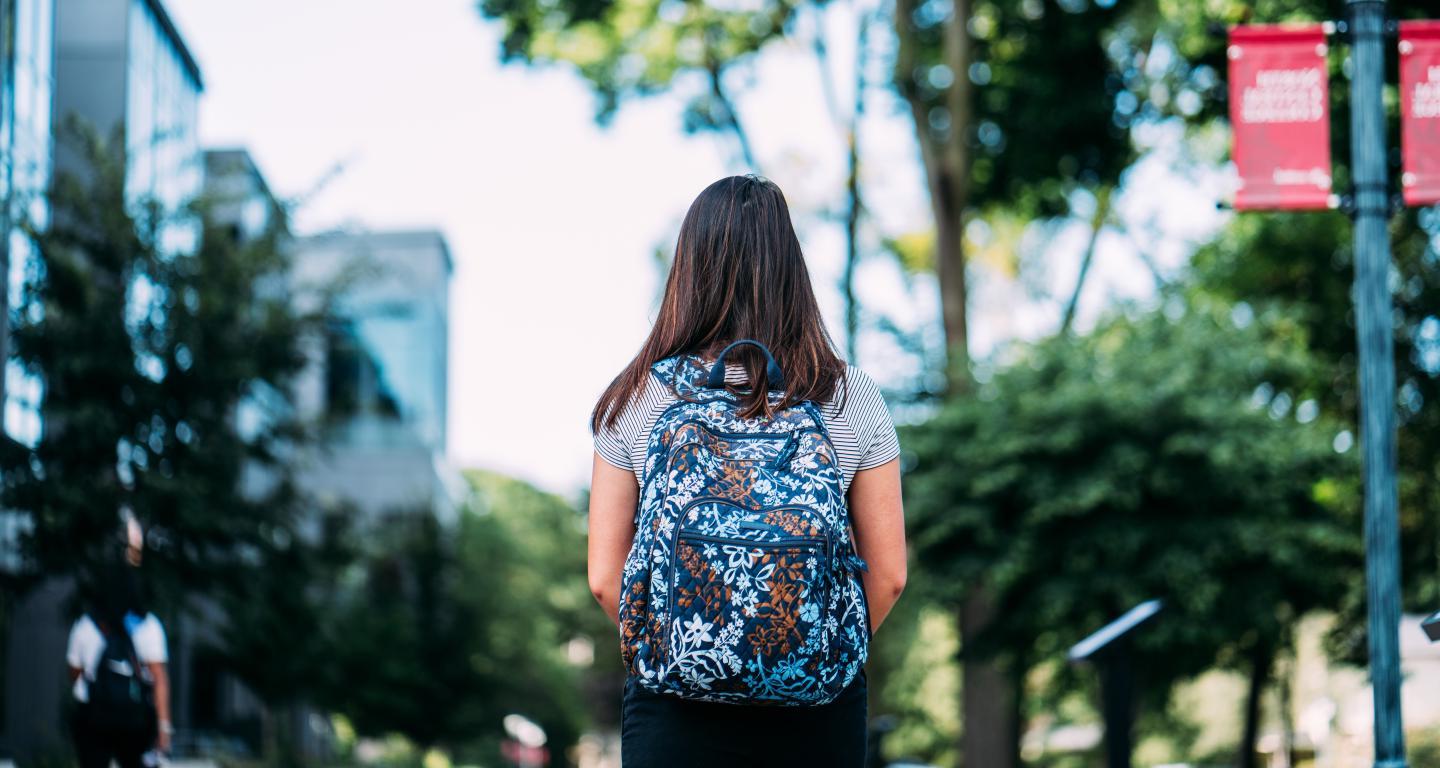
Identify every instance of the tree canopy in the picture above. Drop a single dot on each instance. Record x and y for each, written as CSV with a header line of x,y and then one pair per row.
x,y
1176,455
445,627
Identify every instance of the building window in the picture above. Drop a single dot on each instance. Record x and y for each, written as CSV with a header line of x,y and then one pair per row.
x,y
354,382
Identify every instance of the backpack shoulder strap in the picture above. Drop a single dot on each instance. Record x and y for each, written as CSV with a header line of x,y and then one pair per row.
x,y
683,374
120,637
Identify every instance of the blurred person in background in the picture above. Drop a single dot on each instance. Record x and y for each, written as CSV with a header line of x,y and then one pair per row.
x,y
739,274
117,657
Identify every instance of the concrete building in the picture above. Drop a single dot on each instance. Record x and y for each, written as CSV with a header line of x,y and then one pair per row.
x,y
375,385
377,381
238,193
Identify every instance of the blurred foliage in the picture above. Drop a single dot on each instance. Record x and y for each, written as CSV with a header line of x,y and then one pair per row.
x,y
1169,455
442,629
1044,113
78,341
1044,116
1042,479
1423,748
916,680
1303,265
160,375
629,48
167,379
1190,40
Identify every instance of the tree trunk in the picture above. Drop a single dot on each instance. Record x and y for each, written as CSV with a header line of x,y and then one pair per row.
x,y
1261,657
848,124
946,157
990,698
7,207
990,706
5,237
731,117
852,189
269,736
852,250
1097,224
954,187
1286,690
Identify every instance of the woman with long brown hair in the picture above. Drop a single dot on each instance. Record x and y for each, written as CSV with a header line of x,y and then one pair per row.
x,y
746,525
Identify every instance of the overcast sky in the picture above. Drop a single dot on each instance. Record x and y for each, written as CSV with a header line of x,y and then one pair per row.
x,y
553,221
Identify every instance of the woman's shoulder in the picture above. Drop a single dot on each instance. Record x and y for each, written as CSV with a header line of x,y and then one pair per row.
x,y
653,394
857,398
858,388
150,625
857,376
84,626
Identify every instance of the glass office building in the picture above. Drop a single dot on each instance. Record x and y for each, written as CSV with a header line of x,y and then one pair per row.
x,y
121,64
26,89
161,116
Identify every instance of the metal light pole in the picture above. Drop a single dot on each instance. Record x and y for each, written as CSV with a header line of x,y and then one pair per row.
x,y
7,198
1377,370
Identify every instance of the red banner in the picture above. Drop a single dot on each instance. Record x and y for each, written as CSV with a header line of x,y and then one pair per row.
x,y
1420,111
1280,113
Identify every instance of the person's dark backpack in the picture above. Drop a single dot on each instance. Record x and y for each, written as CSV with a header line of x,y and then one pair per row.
x,y
122,699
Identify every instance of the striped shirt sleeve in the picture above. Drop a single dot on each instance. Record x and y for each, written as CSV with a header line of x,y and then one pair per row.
x,y
869,418
613,442
622,444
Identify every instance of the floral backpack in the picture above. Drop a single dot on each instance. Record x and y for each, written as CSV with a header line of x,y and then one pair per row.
x,y
742,584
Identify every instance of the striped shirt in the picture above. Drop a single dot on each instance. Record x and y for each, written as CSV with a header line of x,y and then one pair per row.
x,y
860,426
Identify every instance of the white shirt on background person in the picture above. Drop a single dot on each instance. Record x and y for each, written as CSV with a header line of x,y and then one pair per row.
x,y
147,635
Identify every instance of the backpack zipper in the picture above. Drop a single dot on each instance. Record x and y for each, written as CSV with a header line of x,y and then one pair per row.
x,y
680,518
781,544
791,438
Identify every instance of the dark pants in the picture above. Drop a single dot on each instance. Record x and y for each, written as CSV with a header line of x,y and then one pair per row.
x,y
96,747
658,731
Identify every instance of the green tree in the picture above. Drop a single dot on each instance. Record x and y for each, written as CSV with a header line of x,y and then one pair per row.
x,y
1170,455
447,627
164,379
71,332
162,376
1303,264
1013,102
403,637
274,630
1015,107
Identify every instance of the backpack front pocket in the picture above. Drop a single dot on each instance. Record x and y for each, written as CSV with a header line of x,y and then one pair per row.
x,y
742,609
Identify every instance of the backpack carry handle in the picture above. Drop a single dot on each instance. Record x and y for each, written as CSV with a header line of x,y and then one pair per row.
x,y
716,380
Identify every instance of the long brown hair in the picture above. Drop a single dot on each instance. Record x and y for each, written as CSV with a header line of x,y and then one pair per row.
x,y
738,273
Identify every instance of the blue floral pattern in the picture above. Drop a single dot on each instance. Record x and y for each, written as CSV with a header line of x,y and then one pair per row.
x,y
743,583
